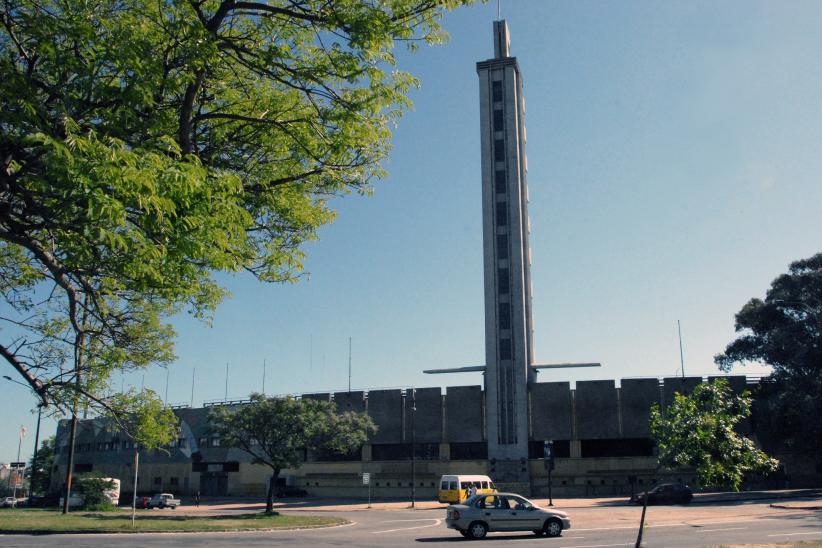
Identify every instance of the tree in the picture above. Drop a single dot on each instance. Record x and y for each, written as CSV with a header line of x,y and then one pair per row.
x,y
43,464
146,144
785,332
276,431
700,431
94,489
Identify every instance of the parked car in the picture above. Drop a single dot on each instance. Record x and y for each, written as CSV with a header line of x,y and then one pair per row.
x,y
164,500
8,502
142,502
666,493
480,514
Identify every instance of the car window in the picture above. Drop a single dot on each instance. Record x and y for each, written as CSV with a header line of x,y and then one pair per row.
x,y
465,485
452,486
485,485
519,503
491,484
444,486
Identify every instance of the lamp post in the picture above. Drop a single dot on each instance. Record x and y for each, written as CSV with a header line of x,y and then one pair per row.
x,y
413,447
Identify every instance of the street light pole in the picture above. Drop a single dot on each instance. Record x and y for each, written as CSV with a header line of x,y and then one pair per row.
x,y
33,478
18,476
413,447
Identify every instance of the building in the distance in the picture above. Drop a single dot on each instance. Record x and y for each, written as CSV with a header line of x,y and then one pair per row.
x,y
599,429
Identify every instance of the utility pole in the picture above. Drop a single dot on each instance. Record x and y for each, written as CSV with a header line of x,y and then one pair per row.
x,y
193,371
681,355
263,376
349,364
226,382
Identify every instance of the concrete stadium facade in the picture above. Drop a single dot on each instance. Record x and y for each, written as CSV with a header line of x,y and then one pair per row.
x,y
600,433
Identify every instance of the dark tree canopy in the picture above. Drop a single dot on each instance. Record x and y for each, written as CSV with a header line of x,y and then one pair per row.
x,y
785,332
43,465
146,144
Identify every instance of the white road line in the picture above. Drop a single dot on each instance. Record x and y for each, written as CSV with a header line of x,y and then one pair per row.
x,y
726,529
437,522
595,545
794,534
417,519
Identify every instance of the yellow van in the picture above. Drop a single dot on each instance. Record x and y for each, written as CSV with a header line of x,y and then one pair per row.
x,y
455,488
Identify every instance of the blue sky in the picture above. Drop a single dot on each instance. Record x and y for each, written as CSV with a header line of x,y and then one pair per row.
x,y
674,157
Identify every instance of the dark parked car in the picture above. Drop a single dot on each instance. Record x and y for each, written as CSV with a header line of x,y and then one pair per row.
x,y
142,502
666,493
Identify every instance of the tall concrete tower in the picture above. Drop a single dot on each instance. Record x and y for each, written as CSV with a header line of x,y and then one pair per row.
x,y
506,226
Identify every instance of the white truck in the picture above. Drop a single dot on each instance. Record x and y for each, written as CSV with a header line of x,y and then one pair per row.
x,y
164,500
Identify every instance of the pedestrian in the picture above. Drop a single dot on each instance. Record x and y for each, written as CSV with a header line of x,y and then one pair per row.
x,y
197,499
473,490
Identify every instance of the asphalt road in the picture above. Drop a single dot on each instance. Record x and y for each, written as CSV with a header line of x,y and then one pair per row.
x,y
593,527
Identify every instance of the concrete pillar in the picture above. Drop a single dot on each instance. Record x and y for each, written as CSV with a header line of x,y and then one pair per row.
x,y
445,451
576,449
366,452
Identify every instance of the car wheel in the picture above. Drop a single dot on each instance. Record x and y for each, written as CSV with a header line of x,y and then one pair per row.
x,y
553,527
539,532
464,533
477,530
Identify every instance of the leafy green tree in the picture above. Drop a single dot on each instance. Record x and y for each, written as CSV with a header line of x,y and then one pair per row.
x,y
700,431
785,331
276,431
43,465
146,144
94,489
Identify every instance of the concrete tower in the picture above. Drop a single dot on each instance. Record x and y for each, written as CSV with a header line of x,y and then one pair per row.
x,y
507,258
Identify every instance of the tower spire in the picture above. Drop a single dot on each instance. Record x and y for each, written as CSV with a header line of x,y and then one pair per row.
x,y
502,43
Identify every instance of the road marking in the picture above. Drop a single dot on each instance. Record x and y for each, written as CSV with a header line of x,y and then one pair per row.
x,y
726,529
593,545
436,522
793,534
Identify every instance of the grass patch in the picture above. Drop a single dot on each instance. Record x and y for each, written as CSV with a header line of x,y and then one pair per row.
x,y
45,521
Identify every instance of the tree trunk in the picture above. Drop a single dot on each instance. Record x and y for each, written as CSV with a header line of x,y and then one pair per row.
x,y
272,484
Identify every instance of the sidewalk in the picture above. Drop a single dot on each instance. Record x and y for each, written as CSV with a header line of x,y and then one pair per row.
x,y
806,499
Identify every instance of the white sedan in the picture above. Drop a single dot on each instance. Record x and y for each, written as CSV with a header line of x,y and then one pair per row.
x,y
480,514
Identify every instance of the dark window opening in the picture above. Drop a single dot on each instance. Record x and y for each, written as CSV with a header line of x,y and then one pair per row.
x,y
502,214
402,451
504,316
499,150
502,246
158,480
499,182
174,481
498,120
331,456
496,90
469,451
82,468
629,447
561,448
502,281
231,466
505,349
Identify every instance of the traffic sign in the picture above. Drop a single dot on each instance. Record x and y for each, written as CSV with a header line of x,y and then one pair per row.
x,y
17,464
366,478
